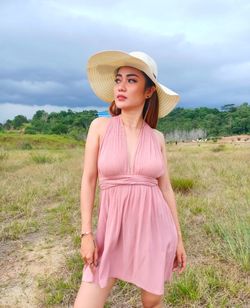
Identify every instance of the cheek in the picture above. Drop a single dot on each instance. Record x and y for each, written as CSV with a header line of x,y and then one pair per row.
x,y
138,91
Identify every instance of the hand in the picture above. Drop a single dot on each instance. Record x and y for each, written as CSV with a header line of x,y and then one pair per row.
x,y
180,260
89,251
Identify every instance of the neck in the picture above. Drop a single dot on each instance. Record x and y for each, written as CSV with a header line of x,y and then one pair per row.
x,y
132,121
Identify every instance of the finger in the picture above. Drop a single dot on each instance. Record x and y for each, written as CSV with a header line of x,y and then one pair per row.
x,y
175,264
90,261
96,257
183,264
92,267
179,258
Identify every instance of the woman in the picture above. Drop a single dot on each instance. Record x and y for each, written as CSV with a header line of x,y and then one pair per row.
x,y
138,237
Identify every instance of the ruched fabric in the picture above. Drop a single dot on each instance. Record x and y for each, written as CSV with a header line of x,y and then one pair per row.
x,y
126,179
135,235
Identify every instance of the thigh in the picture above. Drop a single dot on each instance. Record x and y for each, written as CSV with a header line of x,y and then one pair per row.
x,y
90,295
151,300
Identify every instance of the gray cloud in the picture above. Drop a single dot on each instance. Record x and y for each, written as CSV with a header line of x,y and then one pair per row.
x,y
202,49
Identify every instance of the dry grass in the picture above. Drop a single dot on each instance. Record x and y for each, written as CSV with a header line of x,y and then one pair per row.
x,y
40,222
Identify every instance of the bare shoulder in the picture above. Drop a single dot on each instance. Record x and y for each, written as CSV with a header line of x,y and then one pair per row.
x,y
99,125
160,137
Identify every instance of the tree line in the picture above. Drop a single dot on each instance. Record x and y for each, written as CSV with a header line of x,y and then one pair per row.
x,y
203,121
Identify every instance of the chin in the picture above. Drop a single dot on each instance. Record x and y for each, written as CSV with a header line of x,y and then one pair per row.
x,y
119,105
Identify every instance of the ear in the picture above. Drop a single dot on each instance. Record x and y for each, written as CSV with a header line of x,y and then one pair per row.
x,y
149,92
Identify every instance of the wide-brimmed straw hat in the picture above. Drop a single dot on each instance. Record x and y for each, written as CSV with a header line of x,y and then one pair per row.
x,y
101,69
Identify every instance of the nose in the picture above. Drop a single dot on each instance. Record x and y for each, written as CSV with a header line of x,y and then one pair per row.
x,y
121,86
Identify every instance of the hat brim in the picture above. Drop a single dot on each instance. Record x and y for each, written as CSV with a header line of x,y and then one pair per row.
x,y
100,71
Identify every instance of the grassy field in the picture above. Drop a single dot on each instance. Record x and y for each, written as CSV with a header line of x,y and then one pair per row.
x,y
40,222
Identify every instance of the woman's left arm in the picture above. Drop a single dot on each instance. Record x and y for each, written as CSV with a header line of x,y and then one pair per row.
x,y
168,194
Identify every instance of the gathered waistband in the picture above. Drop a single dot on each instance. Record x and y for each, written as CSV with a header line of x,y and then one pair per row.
x,y
127,179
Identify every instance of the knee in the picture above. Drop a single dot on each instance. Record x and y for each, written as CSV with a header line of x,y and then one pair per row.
x,y
155,304
150,300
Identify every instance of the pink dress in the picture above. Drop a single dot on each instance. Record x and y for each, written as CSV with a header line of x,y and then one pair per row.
x,y
136,235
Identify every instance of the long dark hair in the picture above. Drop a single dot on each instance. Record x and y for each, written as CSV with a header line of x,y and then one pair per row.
x,y
151,107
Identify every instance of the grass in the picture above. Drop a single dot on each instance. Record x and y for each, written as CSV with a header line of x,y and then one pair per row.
x,y
14,140
39,197
234,238
3,154
16,229
185,289
41,158
219,148
182,185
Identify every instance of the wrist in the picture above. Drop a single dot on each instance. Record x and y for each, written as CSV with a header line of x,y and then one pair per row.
x,y
86,229
179,236
180,241
86,233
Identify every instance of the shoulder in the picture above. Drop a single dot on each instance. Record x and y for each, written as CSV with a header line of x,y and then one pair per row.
x,y
99,122
99,125
159,135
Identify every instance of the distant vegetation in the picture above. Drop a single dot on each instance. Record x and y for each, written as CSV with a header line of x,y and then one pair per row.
x,y
180,124
73,124
206,122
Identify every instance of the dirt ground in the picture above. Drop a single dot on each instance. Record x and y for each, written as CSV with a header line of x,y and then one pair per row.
x,y
22,263
235,138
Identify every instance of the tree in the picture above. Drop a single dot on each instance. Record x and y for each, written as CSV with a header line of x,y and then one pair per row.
x,y
228,107
8,125
40,115
19,120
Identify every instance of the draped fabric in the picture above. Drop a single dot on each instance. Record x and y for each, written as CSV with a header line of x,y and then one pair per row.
x,y
136,235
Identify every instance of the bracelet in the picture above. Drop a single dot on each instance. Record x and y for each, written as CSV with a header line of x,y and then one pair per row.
x,y
86,233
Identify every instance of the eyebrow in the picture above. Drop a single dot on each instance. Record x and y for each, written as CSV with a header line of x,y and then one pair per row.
x,y
128,75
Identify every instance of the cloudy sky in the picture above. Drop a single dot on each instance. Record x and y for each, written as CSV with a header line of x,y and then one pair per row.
x,y
202,49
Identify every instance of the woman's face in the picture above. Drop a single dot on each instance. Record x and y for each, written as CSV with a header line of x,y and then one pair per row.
x,y
129,89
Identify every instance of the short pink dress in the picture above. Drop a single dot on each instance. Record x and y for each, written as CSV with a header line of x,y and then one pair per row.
x,y
136,235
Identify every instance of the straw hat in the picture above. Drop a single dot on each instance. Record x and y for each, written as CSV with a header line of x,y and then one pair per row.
x,y
101,68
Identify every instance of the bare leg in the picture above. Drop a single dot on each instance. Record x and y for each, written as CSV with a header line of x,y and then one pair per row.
x,y
150,300
90,295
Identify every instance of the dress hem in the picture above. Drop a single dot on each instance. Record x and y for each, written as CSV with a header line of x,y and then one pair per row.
x,y
137,284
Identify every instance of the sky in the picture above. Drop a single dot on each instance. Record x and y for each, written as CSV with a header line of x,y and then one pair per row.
x,y
202,50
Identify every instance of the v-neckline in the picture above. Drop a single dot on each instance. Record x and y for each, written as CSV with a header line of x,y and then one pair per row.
x,y
131,166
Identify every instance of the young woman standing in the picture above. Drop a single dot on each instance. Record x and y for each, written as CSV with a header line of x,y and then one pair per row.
x,y
138,237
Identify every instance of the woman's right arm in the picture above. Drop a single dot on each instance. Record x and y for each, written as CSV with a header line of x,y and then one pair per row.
x,y
89,249
89,176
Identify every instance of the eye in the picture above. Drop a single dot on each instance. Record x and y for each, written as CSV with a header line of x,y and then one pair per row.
x,y
132,80
117,80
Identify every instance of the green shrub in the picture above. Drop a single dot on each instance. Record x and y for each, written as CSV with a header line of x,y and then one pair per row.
x,y
219,148
185,288
182,184
41,158
25,146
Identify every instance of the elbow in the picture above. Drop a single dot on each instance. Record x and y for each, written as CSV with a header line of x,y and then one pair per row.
x,y
167,191
89,179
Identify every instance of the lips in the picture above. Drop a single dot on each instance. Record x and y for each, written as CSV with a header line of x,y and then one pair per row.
x,y
121,97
